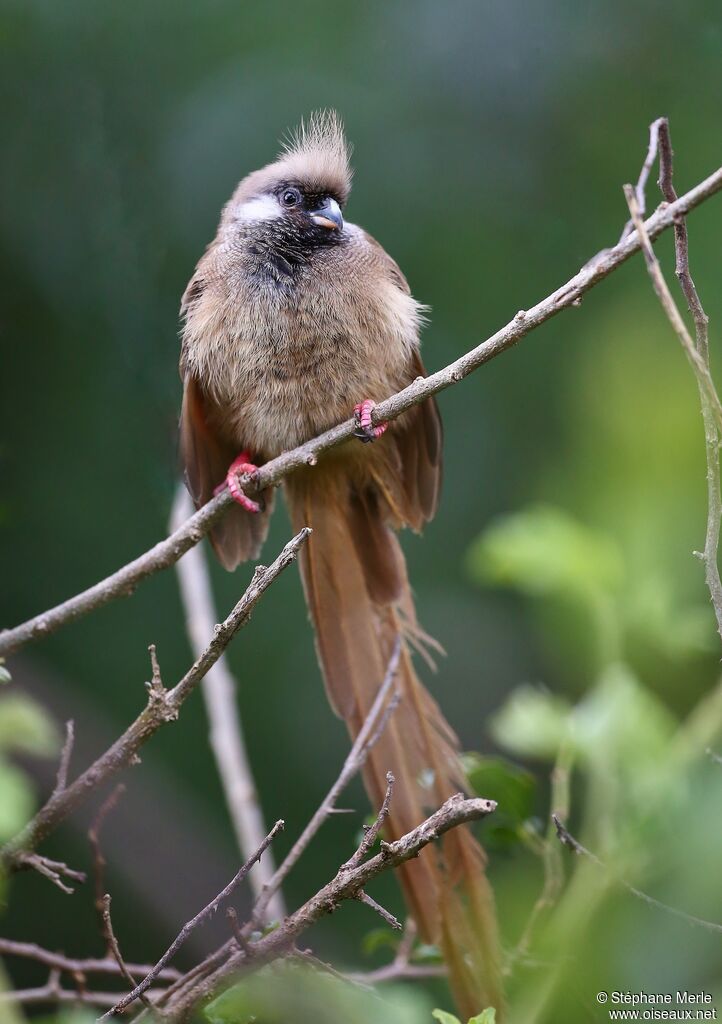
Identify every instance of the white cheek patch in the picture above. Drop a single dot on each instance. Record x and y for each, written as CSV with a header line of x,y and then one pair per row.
x,y
260,208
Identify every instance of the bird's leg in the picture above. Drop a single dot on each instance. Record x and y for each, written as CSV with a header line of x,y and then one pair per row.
x,y
241,466
365,430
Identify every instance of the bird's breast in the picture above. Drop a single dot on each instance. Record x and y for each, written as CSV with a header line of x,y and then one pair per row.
x,y
285,363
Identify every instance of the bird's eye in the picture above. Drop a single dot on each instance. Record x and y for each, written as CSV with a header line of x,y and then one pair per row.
x,y
290,197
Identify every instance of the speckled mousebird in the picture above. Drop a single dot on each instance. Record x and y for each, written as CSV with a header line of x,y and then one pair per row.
x,y
293,318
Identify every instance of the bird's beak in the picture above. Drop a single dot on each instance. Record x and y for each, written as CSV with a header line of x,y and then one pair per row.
x,y
328,216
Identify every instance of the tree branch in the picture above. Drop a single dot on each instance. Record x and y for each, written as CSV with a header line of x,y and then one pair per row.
x,y
168,551
701,326
219,694
114,947
75,965
203,915
381,710
347,885
163,706
697,352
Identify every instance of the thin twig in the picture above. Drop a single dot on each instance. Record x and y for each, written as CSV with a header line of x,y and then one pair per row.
x,y
370,731
74,965
238,935
701,327
640,187
53,993
189,926
371,834
53,870
674,316
160,709
346,885
114,948
168,551
219,694
65,755
99,860
393,922
385,702
567,839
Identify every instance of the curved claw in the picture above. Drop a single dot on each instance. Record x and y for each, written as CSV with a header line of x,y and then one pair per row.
x,y
366,430
240,466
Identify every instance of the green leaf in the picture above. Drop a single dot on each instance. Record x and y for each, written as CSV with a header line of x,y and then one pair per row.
x,y
26,726
498,779
532,723
487,1016
17,800
379,938
545,551
623,731
426,953
445,1018
5,676
513,789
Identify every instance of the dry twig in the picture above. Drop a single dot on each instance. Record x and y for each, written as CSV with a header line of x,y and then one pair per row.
x,y
376,720
114,948
219,694
99,860
75,965
65,755
347,884
189,926
53,870
163,706
701,326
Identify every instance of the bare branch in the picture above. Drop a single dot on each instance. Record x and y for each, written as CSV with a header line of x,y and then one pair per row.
x,y
384,914
114,948
189,926
53,993
99,860
371,834
219,694
701,327
53,870
73,965
157,713
370,731
347,885
168,551
65,755
697,353
640,187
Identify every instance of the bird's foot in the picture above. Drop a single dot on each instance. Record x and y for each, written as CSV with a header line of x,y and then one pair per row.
x,y
241,466
365,431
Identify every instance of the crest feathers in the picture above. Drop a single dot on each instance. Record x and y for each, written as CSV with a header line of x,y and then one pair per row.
x,y
317,153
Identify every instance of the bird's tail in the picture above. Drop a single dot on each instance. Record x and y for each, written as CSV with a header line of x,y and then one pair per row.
x,y
359,599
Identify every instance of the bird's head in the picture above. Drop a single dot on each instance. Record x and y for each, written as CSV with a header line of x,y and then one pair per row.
x,y
298,200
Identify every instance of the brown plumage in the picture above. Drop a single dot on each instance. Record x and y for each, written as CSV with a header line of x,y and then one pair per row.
x,y
291,318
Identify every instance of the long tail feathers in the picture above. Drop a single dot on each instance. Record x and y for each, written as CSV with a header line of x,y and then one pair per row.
x,y
359,599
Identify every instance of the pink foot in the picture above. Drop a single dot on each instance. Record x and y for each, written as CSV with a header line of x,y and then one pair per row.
x,y
362,414
240,466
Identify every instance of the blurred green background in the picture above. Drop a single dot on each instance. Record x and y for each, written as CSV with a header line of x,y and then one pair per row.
x,y
491,140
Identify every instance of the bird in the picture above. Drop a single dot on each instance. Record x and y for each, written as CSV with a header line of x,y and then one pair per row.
x,y
293,318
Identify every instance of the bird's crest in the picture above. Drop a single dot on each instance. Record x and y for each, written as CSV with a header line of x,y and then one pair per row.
x,y
317,154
